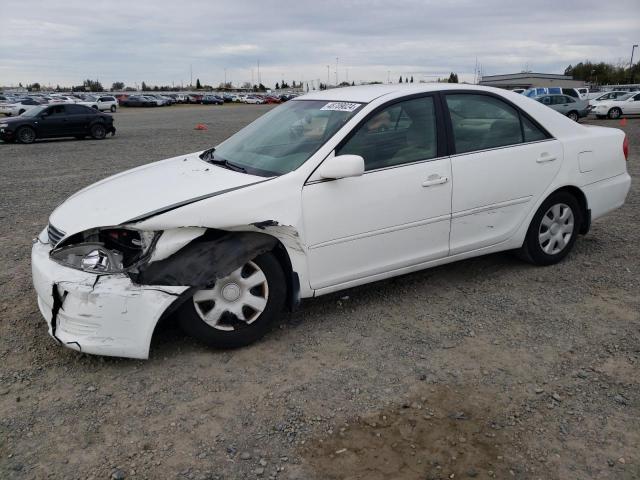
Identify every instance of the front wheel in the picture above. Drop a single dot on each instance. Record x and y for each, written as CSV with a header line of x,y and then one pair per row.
x,y
573,116
553,230
26,135
98,131
113,108
238,309
614,113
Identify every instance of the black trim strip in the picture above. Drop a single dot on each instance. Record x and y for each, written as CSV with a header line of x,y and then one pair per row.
x,y
174,206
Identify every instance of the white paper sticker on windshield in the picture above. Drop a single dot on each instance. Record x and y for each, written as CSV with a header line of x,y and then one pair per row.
x,y
341,106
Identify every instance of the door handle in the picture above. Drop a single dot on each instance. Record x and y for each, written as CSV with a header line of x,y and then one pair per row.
x,y
435,180
545,157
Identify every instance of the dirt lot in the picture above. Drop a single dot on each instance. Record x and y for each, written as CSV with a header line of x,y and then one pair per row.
x,y
488,368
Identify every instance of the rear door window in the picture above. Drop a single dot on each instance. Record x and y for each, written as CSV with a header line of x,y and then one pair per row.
x,y
481,122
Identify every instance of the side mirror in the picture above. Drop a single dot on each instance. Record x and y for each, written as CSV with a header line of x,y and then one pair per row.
x,y
342,166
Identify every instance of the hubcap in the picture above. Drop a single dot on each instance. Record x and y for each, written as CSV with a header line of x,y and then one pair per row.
x,y
556,229
235,300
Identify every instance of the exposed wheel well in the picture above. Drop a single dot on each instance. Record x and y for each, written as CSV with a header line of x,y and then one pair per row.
x,y
578,194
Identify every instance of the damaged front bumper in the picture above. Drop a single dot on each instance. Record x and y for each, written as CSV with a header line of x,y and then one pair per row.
x,y
98,314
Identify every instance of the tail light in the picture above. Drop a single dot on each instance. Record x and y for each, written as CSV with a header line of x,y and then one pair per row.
x,y
625,147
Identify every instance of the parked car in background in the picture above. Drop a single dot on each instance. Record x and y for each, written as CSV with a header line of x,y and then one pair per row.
x,y
138,101
18,107
102,102
613,95
64,120
578,93
519,90
212,100
331,190
194,98
254,99
628,104
573,108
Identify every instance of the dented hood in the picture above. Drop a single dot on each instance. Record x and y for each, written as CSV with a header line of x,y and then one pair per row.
x,y
143,191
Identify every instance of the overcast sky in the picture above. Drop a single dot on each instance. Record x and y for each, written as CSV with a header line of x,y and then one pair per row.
x,y
63,42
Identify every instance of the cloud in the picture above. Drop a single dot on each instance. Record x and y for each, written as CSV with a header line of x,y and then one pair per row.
x,y
160,42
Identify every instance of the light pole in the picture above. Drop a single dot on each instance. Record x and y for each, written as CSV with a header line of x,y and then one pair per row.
x,y
631,64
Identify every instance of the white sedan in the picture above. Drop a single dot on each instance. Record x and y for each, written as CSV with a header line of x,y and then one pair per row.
x,y
18,107
628,104
325,192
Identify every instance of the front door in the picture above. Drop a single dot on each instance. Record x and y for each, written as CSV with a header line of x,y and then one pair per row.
x,y
503,163
395,215
52,122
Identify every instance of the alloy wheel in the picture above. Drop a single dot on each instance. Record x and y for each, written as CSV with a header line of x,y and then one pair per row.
x,y
235,300
27,135
556,229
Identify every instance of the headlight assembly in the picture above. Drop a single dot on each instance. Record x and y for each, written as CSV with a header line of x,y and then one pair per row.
x,y
105,250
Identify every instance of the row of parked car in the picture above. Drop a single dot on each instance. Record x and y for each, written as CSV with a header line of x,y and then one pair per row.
x,y
163,99
577,103
17,104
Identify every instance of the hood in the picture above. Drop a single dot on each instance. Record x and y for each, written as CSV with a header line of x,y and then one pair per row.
x,y
144,191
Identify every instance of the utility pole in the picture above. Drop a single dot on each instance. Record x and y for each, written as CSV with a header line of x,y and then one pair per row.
x,y
388,76
259,79
327,75
225,78
336,71
631,64
191,74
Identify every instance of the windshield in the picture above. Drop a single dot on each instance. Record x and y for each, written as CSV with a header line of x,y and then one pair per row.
x,y
33,112
285,138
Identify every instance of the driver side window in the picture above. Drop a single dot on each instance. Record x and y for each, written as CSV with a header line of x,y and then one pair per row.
x,y
402,133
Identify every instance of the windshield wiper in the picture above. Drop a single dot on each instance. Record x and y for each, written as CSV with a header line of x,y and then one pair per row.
x,y
208,156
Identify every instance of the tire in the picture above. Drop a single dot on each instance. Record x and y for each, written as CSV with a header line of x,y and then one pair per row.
x,y
553,230
614,113
573,115
98,131
95,107
26,135
113,109
226,330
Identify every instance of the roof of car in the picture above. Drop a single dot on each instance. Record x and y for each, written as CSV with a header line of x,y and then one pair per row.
x,y
368,93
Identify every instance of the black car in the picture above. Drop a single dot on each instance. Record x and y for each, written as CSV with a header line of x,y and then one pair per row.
x,y
49,121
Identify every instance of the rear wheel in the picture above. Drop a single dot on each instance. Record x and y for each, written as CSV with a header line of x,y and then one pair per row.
x,y
573,116
553,230
98,131
614,113
239,308
113,108
26,135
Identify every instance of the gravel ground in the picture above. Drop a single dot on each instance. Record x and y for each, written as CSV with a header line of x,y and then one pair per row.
x,y
487,368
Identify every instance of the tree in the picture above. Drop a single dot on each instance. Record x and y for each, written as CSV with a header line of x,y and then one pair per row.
x,y
262,88
144,87
115,86
34,87
198,85
411,81
246,85
353,84
400,78
453,78
92,86
277,86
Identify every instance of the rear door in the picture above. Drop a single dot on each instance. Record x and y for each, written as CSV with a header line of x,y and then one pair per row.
x,y
503,162
79,117
632,106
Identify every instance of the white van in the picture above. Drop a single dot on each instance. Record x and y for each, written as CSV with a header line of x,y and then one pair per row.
x,y
580,92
